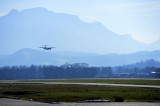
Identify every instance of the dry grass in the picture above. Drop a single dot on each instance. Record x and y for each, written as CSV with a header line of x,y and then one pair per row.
x,y
74,93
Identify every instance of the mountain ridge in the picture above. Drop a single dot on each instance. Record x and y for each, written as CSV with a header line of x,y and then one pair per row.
x,y
33,27
29,56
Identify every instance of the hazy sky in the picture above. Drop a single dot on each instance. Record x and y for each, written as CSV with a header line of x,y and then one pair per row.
x,y
140,18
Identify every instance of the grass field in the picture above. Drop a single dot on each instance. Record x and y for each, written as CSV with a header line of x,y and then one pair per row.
x,y
111,81
74,93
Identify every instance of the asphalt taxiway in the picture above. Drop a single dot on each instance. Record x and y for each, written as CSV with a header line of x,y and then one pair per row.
x,y
17,102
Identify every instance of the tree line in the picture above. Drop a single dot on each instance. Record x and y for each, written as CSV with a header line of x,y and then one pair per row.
x,y
76,70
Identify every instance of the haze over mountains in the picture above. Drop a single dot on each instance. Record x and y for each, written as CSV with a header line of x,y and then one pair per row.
x,y
35,27
76,41
36,57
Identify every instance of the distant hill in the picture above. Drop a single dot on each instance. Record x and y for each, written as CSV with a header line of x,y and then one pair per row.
x,y
30,56
155,45
34,27
144,64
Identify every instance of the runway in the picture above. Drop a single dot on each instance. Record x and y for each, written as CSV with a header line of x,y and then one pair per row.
x,y
105,84
16,102
98,84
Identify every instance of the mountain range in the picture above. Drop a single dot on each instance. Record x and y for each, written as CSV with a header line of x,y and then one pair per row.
x,y
29,57
35,27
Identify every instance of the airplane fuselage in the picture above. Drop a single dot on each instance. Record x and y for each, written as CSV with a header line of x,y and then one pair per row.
x,y
47,48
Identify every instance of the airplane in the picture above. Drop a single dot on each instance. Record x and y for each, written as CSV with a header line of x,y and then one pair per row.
x,y
47,48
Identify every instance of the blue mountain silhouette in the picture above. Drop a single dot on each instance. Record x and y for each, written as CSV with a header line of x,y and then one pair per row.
x,y
34,27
